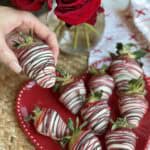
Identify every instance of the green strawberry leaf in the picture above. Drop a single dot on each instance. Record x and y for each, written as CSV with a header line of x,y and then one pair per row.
x,y
98,94
139,54
136,86
114,126
65,77
64,141
56,87
95,96
37,110
77,122
62,72
126,50
84,124
28,118
103,69
121,123
27,40
70,124
93,70
96,71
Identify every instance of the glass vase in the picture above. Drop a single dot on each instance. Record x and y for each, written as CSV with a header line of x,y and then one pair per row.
x,y
79,38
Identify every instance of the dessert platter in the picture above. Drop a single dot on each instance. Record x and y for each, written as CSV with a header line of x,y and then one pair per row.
x,y
105,108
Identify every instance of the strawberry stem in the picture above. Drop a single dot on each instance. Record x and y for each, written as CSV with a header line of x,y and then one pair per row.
x,y
136,86
65,77
121,123
26,40
71,125
76,131
35,114
28,118
83,125
64,141
101,71
126,50
95,96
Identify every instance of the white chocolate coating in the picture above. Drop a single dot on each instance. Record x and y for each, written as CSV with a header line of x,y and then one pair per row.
x,y
87,141
97,115
103,83
38,64
73,97
133,108
52,125
121,140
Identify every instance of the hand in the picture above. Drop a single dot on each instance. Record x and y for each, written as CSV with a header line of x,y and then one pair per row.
x,y
10,20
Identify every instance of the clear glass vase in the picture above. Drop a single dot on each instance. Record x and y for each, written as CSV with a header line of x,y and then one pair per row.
x,y
79,38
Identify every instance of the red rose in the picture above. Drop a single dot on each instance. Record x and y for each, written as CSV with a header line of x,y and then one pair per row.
x,y
49,4
75,12
30,5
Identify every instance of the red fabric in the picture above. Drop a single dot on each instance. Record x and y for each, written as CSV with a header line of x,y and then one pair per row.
x,y
29,5
75,12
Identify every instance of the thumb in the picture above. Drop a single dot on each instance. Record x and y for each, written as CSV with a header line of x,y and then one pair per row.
x,y
8,57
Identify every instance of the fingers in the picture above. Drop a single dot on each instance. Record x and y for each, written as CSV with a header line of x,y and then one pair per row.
x,y
51,40
8,57
42,32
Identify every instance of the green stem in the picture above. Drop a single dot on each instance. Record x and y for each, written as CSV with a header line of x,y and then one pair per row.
x,y
121,123
75,39
60,79
92,28
87,38
101,71
125,49
95,96
58,27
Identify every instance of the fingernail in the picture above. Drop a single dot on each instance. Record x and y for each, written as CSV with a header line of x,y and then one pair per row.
x,y
15,67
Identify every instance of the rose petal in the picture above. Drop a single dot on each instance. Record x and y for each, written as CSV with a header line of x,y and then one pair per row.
x,y
76,11
29,5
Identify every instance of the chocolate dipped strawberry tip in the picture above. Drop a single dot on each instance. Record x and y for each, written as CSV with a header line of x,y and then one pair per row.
x,y
136,86
95,71
125,50
121,123
95,96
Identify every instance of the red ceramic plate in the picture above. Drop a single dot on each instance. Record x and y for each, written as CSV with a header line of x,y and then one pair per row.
x,y
31,95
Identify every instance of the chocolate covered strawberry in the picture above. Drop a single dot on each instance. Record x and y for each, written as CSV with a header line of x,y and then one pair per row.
x,y
85,140
124,67
133,108
101,81
49,123
36,59
81,139
132,87
121,137
72,92
97,113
